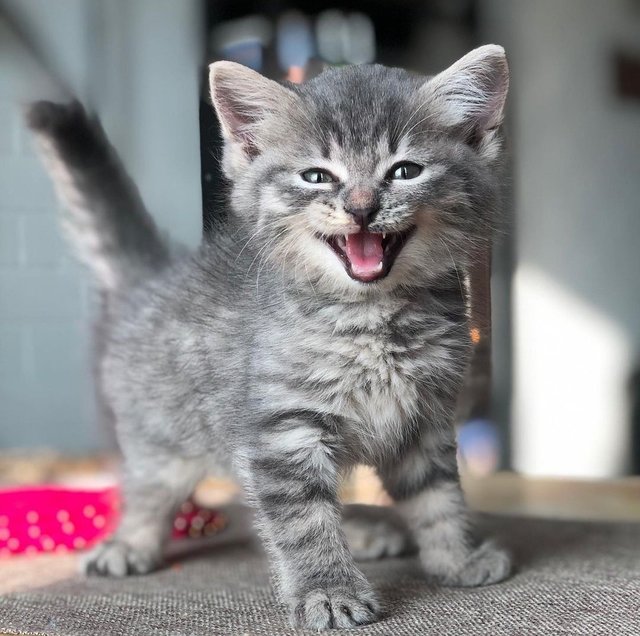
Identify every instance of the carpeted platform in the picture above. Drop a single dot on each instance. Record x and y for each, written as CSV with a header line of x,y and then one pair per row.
x,y
573,579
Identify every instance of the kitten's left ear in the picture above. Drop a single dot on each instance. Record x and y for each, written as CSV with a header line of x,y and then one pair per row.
x,y
470,95
243,100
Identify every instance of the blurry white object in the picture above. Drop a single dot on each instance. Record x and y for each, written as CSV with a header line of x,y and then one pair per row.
x,y
572,363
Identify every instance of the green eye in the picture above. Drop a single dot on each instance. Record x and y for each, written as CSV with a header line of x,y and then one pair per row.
x,y
405,171
317,176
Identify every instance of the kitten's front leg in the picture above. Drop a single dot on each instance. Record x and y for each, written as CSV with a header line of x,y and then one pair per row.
x,y
426,486
291,476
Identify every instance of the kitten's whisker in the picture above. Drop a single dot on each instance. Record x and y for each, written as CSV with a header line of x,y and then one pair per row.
x,y
309,279
262,249
462,291
274,224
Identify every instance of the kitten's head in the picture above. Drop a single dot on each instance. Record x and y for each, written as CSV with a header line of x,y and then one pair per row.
x,y
365,177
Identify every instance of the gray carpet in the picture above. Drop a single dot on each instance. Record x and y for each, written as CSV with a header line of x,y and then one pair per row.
x,y
573,578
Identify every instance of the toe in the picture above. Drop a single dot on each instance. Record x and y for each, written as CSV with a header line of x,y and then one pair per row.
x,y
486,565
335,608
117,559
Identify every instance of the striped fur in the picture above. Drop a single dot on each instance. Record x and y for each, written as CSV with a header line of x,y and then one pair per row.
x,y
259,354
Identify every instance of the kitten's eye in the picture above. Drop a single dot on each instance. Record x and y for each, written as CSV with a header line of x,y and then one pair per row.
x,y
404,171
316,175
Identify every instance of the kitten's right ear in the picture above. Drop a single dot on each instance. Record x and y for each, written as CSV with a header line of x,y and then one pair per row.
x,y
243,99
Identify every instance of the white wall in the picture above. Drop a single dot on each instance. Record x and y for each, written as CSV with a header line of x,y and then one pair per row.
x,y
577,230
138,63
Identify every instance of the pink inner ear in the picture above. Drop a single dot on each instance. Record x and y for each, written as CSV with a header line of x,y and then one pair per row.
x,y
237,124
243,99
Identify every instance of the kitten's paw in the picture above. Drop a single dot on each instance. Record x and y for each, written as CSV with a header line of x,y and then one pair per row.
x,y
335,607
376,538
117,558
485,565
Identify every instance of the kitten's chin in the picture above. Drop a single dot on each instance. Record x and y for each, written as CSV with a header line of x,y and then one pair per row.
x,y
368,257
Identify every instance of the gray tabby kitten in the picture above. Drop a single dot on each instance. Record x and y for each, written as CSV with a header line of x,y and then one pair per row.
x,y
324,325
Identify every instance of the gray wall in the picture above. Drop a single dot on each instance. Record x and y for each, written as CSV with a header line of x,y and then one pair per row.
x,y
137,63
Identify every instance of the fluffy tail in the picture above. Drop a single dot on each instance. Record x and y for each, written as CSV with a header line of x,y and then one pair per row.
x,y
107,220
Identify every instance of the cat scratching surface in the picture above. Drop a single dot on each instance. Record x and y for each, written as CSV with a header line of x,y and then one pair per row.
x,y
573,578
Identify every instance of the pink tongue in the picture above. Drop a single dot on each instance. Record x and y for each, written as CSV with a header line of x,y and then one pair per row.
x,y
364,251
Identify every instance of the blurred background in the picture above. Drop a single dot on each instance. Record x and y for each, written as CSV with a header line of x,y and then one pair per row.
x,y
565,398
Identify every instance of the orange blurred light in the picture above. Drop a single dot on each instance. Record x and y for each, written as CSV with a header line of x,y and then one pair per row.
x,y
295,74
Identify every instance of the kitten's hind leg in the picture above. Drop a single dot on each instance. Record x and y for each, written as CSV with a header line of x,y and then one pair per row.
x,y
153,489
425,484
376,532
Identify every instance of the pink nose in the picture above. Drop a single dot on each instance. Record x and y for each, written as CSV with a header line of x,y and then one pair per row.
x,y
360,199
361,204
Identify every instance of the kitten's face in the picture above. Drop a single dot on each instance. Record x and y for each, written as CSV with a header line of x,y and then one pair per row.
x,y
365,178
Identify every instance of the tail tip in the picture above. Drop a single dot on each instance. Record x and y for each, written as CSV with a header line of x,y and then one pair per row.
x,y
51,117
75,136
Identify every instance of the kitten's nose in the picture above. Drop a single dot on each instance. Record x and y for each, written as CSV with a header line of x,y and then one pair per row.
x,y
362,216
362,205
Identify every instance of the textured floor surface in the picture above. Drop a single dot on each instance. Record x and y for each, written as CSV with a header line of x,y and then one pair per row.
x,y
573,578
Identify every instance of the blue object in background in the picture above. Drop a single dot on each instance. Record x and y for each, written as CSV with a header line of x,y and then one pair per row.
x,y
479,446
295,43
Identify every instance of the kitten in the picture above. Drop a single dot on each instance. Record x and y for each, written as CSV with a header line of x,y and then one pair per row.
x,y
322,326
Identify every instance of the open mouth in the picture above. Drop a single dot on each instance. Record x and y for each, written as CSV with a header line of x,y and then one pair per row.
x,y
368,256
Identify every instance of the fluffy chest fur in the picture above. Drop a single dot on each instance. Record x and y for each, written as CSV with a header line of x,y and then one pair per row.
x,y
381,368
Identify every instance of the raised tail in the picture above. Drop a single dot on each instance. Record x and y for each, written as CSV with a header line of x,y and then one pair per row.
x,y
107,221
